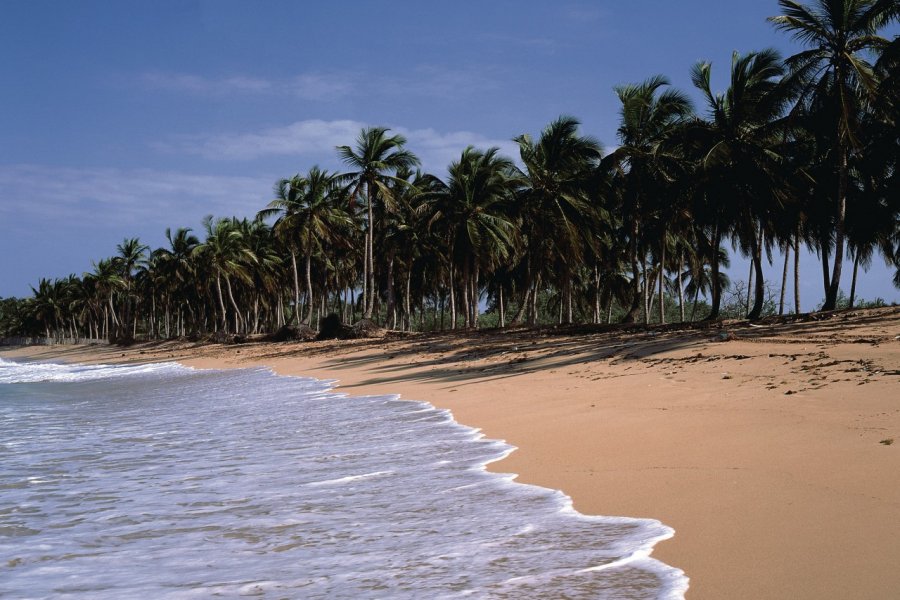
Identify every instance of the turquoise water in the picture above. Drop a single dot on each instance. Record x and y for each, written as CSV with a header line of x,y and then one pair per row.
x,y
161,481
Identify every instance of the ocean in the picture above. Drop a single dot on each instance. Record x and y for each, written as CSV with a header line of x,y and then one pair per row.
x,y
161,481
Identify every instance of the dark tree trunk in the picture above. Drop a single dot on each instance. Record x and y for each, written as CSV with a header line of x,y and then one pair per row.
x,y
797,272
843,184
853,281
716,291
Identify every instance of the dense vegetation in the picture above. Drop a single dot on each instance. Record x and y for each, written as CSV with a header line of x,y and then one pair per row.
x,y
796,153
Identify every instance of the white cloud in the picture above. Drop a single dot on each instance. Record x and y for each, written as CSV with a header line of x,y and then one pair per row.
x,y
303,138
316,140
124,196
308,86
423,80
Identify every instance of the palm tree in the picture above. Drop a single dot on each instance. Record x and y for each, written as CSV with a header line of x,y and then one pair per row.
x,y
178,267
375,157
838,79
645,163
743,169
229,257
559,214
472,207
309,217
131,254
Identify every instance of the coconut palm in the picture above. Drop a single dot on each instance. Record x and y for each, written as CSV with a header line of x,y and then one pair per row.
x,y
229,257
651,119
838,79
559,213
472,208
309,219
375,160
131,254
745,173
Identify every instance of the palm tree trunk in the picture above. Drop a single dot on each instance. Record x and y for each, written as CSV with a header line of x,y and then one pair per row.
x,y
569,312
224,321
238,320
596,294
797,272
475,297
716,291
681,284
391,299
408,299
632,315
825,274
787,255
759,291
309,289
452,292
853,281
296,316
520,314
502,308
843,184
750,278
647,286
662,266
694,308
370,303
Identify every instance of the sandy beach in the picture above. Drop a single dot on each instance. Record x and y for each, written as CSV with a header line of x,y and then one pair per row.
x,y
772,449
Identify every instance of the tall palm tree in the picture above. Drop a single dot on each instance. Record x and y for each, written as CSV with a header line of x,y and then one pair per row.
x,y
375,159
652,118
559,213
131,253
472,207
229,257
309,217
838,79
744,172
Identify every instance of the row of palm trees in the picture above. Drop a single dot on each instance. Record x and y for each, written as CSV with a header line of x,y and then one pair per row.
x,y
796,153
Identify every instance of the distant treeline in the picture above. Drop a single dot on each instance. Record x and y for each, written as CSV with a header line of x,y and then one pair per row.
x,y
796,153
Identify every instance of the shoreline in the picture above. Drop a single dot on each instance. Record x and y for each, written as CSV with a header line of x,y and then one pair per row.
x,y
760,446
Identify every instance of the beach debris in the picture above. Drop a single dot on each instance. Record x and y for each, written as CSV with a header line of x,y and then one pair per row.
x,y
887,442
724,336
726,376
331,328
291,333
364,328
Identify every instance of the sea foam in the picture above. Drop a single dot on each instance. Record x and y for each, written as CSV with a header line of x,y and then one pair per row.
x,y
162,481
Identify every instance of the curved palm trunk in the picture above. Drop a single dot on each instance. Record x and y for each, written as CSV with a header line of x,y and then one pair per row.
x,y
370,241
224,317
835,283
662,279
787,255
309,289
716,291
391,297
681,284
520,314
797,272
632,315
296,315
853,282
238,319
759,283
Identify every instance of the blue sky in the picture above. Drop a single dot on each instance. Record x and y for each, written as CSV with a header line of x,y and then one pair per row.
x,y
124,118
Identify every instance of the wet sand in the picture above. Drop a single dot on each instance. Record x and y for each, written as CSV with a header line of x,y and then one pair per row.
x,y
766,447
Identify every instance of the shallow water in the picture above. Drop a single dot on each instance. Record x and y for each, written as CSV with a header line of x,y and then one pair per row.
x,y
160,481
